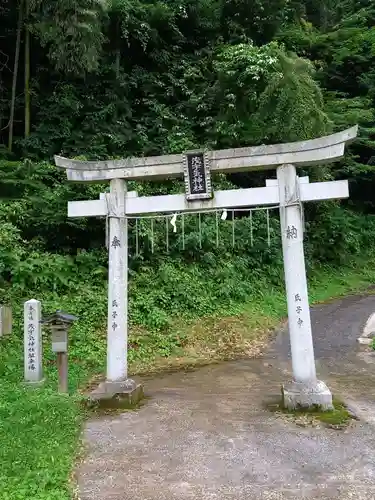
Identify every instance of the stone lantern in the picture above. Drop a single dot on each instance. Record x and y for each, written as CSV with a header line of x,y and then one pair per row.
x,y
59,323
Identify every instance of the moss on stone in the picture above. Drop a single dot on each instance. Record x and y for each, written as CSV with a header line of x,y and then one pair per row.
x,y
338,418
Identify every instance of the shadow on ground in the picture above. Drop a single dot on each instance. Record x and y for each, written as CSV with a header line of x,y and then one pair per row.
x,y
207,435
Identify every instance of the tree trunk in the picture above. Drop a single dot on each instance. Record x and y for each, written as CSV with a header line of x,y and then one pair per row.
x,y
27,70
118,49
118,55
15,75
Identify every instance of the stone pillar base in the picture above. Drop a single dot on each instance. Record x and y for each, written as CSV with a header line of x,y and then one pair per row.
x,y
297,395
34,383
123,394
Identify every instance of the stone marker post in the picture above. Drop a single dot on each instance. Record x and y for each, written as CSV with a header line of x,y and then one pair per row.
x,y
33,342
117,388
117,283
305,390
5,320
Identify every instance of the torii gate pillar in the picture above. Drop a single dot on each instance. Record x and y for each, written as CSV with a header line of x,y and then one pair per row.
x,y
118,389
305,390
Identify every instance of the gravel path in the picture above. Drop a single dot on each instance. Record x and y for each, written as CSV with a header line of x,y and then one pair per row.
x,y
207,434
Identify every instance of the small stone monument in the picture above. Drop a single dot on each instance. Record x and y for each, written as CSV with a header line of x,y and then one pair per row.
x,y
5,320
33,342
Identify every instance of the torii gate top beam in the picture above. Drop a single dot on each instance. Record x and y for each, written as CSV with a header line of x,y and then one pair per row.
x,y
325,149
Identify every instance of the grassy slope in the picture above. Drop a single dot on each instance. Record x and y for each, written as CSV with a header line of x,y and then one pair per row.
x,y
39,429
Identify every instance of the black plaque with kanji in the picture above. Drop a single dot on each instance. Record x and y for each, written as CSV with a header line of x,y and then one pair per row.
x,y
197,176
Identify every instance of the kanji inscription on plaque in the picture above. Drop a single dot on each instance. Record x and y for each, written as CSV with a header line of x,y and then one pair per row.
x,y
197,176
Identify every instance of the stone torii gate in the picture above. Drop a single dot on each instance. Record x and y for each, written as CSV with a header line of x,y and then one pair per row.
x,y
288,191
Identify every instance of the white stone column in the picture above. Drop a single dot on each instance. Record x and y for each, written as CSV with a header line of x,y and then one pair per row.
x,y
305,390
33,349
117,283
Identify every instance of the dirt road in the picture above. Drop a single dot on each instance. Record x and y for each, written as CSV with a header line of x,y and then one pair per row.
x,y
207,434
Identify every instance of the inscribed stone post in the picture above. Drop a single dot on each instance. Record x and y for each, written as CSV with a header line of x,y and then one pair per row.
x,y
117,283
33,341
5,320
305,390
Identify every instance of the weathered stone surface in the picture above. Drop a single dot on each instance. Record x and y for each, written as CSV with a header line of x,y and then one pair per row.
x,y
5,320
235,198
298,395
117,319
365,340
369,328
33,349
124,394
312,152
295,275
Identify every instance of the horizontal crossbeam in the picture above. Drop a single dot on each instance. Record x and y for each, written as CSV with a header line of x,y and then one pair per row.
x,y
274,182
304,153
233,198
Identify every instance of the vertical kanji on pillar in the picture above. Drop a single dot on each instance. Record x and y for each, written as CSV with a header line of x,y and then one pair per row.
x,y
305,389
117,283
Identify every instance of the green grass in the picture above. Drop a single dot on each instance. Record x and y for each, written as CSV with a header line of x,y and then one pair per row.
x,y
39,429
338,417
241,330
39,435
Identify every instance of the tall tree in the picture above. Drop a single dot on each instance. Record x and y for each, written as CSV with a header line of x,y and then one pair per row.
x,y
27,69
71,31
15,75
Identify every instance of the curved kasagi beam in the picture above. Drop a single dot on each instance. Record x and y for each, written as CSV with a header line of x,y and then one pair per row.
x,y
325,149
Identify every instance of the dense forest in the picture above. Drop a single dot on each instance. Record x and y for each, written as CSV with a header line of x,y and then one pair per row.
x,y
108,79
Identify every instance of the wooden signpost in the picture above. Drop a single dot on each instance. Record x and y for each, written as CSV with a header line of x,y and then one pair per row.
x,y
288,191
59,323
